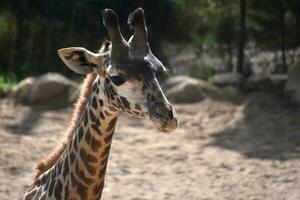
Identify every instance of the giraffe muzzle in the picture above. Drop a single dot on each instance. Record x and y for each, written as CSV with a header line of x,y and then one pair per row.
x,y
166,119
172,122
171,125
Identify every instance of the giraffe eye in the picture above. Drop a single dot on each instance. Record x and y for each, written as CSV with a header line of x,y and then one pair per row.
x,y
117,80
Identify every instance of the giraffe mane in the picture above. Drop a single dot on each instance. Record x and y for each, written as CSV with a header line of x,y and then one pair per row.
x,y
80,104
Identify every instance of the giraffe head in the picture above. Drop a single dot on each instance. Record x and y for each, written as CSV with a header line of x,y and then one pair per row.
x,y
127,72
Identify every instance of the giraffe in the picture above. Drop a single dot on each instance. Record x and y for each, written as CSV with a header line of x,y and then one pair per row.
x,y
122,77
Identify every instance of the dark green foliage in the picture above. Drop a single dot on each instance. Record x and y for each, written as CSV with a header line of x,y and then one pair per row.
x,y
264,22
6,83
31,31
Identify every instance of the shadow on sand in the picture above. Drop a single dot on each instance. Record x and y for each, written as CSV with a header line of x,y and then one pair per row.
x,y
32,117
270,129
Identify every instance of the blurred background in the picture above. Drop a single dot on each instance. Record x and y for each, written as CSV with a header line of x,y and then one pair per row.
x,y
234,78
32,31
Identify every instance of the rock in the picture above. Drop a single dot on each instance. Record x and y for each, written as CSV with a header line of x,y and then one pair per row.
x,y
44,88
278,82
174,81
273,83
228,79
292,87
257,82
231,91
191,90
21,91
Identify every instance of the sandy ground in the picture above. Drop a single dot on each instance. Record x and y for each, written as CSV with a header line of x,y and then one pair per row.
x,y
222,150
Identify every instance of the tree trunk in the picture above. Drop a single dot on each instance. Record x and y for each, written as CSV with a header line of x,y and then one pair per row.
x,y
242,36
229,50
282,35
19,37
23,12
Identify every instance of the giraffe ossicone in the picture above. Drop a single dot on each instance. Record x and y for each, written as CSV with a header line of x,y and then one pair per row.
x,y
124,79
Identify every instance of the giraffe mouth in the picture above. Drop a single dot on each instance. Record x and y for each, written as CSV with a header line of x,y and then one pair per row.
x,y
165,126
164,119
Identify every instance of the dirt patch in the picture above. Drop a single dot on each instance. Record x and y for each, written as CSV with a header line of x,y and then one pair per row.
x,y
221,150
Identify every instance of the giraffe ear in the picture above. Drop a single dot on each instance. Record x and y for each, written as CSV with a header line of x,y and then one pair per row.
x,y
80,60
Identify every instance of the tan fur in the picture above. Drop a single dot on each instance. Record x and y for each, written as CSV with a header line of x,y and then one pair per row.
x,y
50,160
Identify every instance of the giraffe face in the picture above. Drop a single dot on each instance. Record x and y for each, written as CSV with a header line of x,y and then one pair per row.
x,y
135,90
128,70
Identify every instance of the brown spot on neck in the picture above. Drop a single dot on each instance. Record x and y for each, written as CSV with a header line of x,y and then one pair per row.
x,y
111,124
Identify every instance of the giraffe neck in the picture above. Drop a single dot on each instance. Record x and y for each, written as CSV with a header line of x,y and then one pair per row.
x,y
80,171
